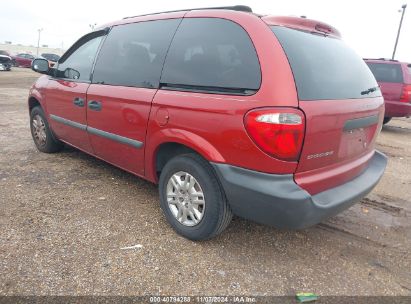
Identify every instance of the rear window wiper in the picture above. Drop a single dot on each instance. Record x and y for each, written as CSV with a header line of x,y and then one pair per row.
x,y
370,90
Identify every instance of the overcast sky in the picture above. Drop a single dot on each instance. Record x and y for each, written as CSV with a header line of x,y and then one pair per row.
x,y
369,26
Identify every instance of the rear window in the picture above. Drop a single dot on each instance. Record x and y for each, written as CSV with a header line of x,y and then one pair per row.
x,y
325,67
386,72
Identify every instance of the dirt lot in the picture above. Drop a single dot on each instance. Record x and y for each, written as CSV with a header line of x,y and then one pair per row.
x,y
65,217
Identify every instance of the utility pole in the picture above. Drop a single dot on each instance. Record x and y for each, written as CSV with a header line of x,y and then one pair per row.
x,y
38,41
399,30
92,26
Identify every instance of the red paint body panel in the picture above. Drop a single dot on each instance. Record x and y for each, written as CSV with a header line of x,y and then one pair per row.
x,y
397,109
59,98
213,124
324,134
125,111
303,24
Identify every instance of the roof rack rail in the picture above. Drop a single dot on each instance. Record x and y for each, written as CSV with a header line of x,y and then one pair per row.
x,y
240,8
388,59
385,59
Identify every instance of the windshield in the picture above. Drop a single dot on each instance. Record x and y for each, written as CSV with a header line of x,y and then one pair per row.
x,y
325,67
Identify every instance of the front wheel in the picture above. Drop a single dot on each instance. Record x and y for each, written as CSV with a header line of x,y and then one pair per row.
x,y
41,133
386,120
192,199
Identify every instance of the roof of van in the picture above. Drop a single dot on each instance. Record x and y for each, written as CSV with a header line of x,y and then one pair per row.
x,y
300,23
240,8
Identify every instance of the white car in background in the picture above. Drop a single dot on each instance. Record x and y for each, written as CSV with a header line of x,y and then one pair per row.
x,y
5,63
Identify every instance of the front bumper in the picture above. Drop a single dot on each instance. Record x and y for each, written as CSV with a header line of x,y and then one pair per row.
x,y
397,109
276,200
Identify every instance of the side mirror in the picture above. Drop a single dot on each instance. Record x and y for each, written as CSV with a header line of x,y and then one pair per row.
x,y
71,73
40,65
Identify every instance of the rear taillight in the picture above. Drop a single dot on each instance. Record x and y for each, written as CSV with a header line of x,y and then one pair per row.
x,y
406,93
279,132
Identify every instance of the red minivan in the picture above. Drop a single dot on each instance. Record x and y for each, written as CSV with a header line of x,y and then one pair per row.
x,y
224,109
394,78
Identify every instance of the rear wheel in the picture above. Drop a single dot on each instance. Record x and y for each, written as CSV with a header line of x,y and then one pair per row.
x,y
41,133
386,120
192,199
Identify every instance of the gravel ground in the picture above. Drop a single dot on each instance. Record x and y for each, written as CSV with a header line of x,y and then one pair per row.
x,y
65,217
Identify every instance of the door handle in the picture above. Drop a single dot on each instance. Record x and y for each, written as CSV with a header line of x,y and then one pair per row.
x,y
94,105
78,102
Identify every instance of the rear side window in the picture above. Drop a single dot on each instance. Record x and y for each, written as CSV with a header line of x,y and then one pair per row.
x,y
212,55
133,54
386,72
325,67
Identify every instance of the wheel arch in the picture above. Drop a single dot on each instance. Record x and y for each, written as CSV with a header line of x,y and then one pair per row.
x,y
33,102
160,151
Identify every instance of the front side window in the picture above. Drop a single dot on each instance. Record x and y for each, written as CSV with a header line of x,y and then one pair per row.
x,y
133,54
211,54
79,64
386,72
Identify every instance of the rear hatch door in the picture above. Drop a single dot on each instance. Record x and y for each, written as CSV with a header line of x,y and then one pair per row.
x,y
342,103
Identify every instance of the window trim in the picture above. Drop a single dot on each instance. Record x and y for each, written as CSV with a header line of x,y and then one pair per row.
x,y
179,87
207,89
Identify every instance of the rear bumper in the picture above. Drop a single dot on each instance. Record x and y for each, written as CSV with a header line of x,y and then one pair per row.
x,y
397,109
276,200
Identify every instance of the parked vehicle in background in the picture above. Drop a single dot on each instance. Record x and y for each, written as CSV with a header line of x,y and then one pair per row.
x,y
224,110
52,58
6,53
394,79
23,60
5,63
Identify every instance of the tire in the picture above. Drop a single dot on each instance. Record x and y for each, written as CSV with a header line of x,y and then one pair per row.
x,y
386,120
41,132
216,213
